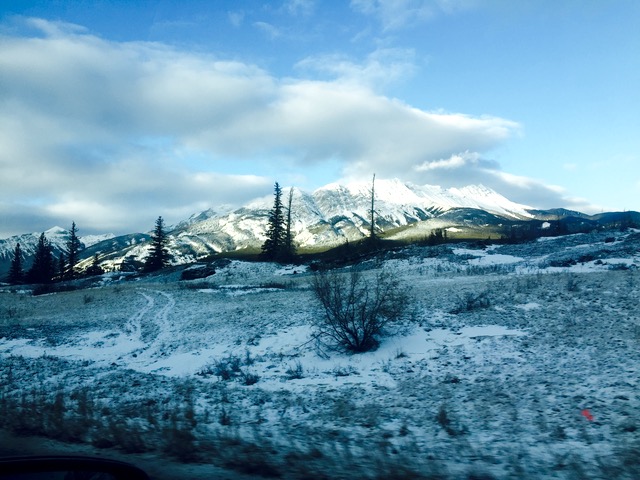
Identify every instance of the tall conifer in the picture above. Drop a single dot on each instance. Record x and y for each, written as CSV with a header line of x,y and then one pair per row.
x,y
273,246
159,255
43,268
73,251
15,271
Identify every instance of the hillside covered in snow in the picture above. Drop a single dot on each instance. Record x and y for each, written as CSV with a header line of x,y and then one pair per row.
x,y
511,361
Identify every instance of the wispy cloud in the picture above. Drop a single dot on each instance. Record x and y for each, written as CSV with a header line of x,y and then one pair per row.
x,y
268,29
300,7
236,17
397,14
379,69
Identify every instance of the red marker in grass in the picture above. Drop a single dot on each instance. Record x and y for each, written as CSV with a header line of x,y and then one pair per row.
x,y
587,414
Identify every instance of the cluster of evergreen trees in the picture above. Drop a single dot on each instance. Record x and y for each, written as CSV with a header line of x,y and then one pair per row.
x,y
279,245
45,268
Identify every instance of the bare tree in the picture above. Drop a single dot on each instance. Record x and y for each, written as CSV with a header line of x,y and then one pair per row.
x,y
289,249
372,232
355,310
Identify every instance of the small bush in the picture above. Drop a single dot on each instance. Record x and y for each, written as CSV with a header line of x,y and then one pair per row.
x,y
472,301
249,378
227,368
356,310
344,371
444,421
296,372
572,284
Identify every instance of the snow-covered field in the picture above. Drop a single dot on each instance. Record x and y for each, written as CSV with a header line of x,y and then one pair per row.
x,y
513,361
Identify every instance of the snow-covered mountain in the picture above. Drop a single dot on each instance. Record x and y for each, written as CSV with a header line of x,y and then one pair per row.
x,y
335,213
327,217
57,237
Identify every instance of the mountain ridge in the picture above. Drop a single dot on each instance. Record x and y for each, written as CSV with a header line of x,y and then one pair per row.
x,y
327,217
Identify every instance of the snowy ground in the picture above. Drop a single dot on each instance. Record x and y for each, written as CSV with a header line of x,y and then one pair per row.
x,y
515,361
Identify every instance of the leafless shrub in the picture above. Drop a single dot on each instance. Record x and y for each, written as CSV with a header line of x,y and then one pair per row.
x,y
347,371
227,368
249,378
572,284
355,310
472,301
295,372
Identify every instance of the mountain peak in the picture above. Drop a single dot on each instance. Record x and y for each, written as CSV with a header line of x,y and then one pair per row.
x,y
55,231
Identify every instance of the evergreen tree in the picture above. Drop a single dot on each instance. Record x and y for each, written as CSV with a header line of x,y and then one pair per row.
x,y
273,246
43,268
73,251
15,272
62,266
159,256
95,268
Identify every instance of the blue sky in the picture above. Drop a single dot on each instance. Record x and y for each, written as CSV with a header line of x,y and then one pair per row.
x,y
115,112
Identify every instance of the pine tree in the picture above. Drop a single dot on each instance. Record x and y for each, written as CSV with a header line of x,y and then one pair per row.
x,y
73,251
43,268
273,246
159,256
15,272
95,268
62,266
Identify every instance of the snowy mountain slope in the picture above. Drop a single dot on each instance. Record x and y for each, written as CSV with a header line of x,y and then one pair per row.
x,y
325,218
58,238
335,213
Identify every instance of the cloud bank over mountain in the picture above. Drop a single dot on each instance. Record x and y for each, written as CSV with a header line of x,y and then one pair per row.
x,y
111,134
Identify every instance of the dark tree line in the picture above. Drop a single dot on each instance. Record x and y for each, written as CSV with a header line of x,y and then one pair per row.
x,y
47,269
16,273
43,268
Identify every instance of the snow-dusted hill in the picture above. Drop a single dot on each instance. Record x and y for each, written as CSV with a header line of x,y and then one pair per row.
x,y
539,380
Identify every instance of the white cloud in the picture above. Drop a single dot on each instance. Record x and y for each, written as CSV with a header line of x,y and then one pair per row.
x,y
453,162
129,131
